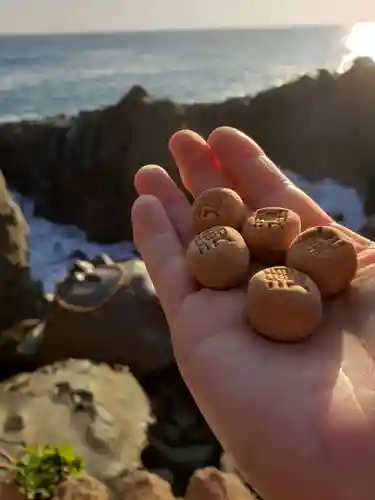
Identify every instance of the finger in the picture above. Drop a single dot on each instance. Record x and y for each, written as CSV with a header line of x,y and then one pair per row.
x,y
198,167
162,252
154,180
366,258
258,180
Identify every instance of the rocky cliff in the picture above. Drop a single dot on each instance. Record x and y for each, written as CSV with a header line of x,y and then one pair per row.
x,y
79,170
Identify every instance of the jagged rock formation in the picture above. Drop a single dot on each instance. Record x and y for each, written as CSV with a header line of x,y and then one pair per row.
x,y
80,170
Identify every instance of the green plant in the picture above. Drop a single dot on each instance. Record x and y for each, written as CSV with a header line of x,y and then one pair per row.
x,y
38,471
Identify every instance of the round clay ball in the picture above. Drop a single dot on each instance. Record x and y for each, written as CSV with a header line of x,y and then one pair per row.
x,y
218,207
269,233
327,255
219,258
283,304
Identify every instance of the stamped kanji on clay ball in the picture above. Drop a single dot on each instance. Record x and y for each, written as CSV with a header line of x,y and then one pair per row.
x,y
218,258
283,304
269,233
218,207
327,255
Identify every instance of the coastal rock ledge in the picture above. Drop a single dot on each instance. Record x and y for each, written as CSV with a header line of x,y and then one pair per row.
x,y
79,170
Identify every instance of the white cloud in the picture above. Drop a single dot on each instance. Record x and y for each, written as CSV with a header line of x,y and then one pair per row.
x,y
93,15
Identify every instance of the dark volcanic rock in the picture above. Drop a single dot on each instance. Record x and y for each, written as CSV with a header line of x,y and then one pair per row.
x,y
19,346
31,151
80,170
368,230
180,440
108,313
88,168
102,413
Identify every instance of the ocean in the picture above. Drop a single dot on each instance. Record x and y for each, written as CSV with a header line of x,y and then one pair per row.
x,y
48,75
52,74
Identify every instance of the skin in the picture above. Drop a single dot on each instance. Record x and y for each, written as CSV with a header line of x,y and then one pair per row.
x,y
298,419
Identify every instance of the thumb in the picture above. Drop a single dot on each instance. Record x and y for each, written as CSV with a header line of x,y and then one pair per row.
x,y
162,252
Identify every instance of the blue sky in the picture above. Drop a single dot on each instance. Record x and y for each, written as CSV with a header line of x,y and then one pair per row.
x,y
96,15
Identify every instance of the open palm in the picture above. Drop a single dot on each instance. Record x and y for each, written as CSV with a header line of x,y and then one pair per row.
x,y
298,419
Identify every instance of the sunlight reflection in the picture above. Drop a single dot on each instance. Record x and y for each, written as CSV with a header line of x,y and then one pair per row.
x,y
359,42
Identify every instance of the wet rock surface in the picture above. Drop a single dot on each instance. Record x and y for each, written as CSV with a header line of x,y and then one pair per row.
x,y
102,413
80,170
108,312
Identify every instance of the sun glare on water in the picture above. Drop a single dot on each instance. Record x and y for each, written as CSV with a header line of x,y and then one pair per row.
x,y
359,42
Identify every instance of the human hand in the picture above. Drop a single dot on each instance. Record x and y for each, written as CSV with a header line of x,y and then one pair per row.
x,y
298,418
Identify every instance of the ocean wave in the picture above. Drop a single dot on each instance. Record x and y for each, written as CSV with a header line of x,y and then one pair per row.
x,y
335,199
18,118
17,60
23,79
17,81
52,247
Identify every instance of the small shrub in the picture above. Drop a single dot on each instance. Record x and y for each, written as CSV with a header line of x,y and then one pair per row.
x,y
38,471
